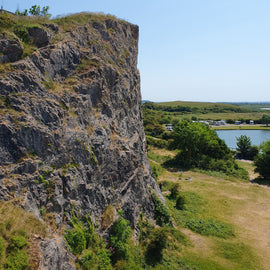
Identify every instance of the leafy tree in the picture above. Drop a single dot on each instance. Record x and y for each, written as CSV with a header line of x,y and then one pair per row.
x,y
245,149
35,11
23,13
243,146
265,119
44,12
200,147
262,160
196,141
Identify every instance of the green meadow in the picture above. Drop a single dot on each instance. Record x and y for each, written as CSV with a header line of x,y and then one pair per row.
x,y
225,221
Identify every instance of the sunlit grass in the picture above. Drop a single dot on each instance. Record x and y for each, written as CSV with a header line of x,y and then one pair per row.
x,y
233,202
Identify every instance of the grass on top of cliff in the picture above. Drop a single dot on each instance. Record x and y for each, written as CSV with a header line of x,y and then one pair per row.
x,y
67,23
227,222
16,27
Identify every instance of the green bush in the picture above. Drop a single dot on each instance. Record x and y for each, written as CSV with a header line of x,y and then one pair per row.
x,y
175,190
87,260
180,202
158,242
82,239
162,215
103,256
17,242
166,185
17,260
119,240
21,32
76,239
156,169
200,147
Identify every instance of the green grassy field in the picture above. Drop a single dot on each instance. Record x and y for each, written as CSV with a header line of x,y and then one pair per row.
x,y
239,208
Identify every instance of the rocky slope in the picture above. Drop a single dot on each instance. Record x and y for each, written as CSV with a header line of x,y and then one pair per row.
x,y
71,133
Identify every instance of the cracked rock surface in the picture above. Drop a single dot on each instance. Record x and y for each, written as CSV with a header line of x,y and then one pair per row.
x,y
71,131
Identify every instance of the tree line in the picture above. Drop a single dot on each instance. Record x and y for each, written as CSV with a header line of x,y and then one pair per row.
x,y
198,146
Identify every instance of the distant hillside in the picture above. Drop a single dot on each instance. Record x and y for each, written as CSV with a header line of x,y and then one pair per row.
x,y
198,106
195,107
254,106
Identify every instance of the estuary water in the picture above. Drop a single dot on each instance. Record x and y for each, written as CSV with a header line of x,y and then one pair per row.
x,y
256,136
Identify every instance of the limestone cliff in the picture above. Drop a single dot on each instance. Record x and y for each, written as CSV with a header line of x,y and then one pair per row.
x,y
71,132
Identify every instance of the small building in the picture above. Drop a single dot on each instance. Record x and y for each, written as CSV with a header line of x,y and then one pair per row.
x,y
251,122
169,127
237,122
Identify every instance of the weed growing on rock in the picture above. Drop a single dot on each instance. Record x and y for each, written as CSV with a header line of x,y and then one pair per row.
x,y
119,240
85,243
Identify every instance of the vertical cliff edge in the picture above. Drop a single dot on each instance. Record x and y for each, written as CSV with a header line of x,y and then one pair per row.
x,y
71,132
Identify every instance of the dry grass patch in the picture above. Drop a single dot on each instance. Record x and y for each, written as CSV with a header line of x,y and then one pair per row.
x,y
108,217
14,218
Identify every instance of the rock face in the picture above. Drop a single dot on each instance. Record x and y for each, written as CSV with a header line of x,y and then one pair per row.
x,y
11,50
71,133
40,37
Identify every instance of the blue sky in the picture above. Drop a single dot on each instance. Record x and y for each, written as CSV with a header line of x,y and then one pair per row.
x,y
191,50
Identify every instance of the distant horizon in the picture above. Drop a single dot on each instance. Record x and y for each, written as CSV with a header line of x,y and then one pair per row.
x,y
253,102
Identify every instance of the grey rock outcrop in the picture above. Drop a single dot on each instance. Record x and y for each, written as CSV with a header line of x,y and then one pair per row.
x,y
11,50
71,132
39,36
55,256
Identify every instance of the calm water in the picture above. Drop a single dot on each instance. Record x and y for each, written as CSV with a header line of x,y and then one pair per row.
x,y
256,136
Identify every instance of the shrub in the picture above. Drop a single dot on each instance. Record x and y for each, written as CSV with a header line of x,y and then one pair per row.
x,y
21,32
17,242
180,202
162,215
157,243
104,262
17,260
175,190
118,241
87,260
76,239
82,239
